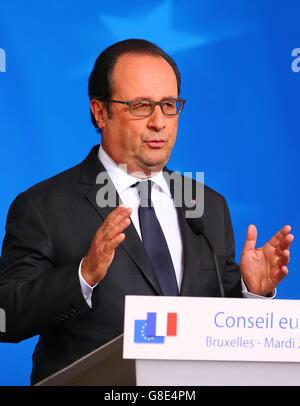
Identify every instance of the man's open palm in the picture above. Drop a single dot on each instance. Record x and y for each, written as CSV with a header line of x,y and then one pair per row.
x,y
263,268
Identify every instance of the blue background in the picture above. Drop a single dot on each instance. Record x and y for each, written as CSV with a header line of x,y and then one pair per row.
x,y
240,125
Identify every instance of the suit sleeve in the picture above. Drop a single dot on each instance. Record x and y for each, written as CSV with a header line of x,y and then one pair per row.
x,y
231,278
35,295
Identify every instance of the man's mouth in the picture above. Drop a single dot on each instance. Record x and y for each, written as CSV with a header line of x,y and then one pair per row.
x,y
156,143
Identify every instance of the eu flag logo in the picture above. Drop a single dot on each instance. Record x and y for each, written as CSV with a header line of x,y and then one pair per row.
x,y
155,328
140,334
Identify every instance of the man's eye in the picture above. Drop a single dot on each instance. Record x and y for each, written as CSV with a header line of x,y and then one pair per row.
x,y
170,104
141,105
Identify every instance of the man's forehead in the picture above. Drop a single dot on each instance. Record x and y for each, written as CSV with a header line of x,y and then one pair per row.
x,y
144,72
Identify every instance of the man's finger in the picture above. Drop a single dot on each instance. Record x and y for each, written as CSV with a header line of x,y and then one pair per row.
x,y
280,274
251,238
111,245
286,242
114,218
118,215
113,231
284,259
279,236
284,270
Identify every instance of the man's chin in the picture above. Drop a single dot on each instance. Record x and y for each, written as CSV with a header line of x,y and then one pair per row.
x,y
155,165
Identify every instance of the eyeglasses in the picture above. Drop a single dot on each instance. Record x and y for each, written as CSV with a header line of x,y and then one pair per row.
x,y
145,107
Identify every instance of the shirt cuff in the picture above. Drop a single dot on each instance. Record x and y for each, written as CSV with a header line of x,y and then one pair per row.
x,y
86,289
249,295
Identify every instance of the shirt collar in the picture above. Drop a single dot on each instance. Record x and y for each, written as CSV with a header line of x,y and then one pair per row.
x,y
122,180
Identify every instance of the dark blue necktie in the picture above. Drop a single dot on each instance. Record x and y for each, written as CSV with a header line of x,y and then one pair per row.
x,y
155,243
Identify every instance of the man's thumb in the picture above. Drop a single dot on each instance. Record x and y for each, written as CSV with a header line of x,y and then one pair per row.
x,y
251,238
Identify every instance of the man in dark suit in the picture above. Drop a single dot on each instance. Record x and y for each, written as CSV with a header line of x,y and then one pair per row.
x,y
71,254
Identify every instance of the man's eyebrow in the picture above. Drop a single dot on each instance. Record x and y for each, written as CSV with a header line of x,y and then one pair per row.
x,y
150,98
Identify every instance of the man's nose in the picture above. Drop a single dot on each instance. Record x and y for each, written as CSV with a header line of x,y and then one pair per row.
x,y
157,120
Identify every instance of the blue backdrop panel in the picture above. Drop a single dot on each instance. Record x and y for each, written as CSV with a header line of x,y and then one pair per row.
x,y
239,125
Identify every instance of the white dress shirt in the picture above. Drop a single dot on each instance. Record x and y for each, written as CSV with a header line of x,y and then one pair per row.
x,y
164,210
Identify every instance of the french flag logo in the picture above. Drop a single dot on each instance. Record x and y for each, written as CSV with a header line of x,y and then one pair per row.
x,y
155,328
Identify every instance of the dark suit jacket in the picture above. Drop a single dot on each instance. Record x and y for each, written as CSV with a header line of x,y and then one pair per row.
x,y
49,230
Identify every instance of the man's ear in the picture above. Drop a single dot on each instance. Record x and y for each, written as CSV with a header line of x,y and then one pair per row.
x,y
99,112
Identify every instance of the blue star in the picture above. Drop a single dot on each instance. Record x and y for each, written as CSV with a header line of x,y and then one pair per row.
x,y
155,26
140,336
164,35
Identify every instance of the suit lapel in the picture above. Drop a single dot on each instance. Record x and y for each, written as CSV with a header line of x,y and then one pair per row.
x,y
191,257
192,246
94,173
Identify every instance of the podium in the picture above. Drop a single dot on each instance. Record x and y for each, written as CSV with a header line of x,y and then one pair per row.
x,y
195,342
102,367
